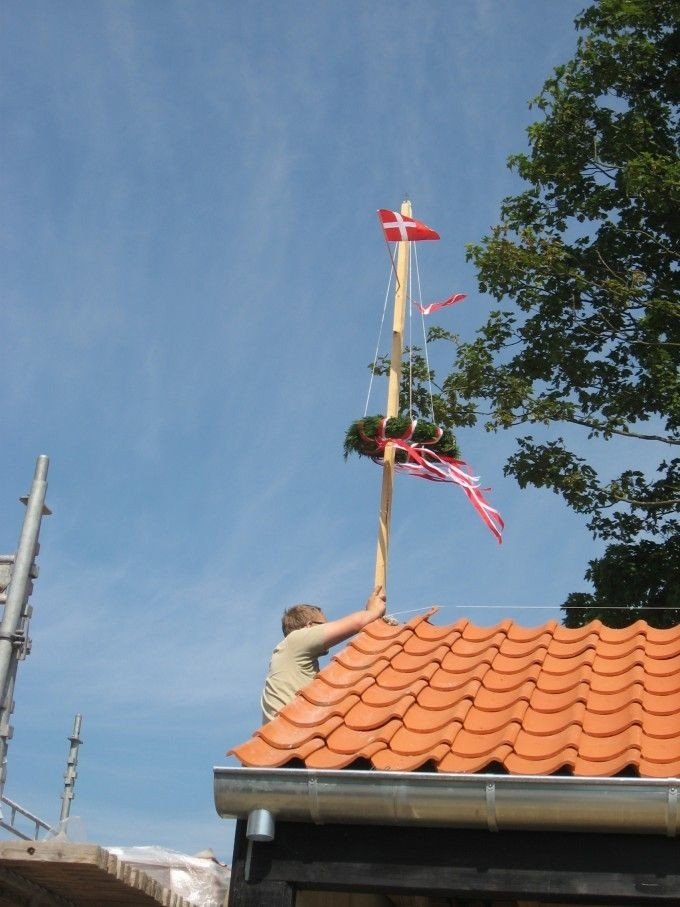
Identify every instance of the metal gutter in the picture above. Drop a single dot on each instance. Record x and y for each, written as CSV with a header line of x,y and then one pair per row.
x,y
494,802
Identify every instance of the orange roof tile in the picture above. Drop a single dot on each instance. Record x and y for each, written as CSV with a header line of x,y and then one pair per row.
x,y
463,698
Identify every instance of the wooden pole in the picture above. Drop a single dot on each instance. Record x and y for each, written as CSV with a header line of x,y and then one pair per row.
x,y
385,516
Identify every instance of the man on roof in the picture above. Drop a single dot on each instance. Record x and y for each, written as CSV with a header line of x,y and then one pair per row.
x,y
307,635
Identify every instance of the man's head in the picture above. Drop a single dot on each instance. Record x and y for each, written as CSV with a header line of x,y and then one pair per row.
x,y
300,616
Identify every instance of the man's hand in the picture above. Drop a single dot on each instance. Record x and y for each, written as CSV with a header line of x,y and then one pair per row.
x,y
338,630
377,602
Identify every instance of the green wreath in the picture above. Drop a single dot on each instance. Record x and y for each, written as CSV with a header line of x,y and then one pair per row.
x,y
361,435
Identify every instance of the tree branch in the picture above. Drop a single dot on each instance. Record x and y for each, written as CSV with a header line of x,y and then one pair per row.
x,y
673,502
619,431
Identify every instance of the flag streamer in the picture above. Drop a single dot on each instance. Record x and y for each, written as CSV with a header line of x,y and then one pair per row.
x,y
435,306
427,464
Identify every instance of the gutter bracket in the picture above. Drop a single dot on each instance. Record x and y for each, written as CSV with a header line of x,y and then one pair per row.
x,y
672,813
491,821
314,805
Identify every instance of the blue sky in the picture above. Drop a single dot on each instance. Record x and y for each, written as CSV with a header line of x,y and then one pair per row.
x,y
192,280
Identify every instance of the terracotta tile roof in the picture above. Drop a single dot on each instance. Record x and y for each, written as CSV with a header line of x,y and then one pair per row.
x,y
463,698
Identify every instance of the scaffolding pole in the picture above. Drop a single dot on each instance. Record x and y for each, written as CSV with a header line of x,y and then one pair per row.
x,y
71,772
14,643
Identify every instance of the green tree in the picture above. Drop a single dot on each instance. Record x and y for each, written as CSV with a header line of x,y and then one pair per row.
x,y
587,255
642,578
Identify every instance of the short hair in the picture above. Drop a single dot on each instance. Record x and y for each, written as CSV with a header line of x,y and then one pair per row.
x,y
299,616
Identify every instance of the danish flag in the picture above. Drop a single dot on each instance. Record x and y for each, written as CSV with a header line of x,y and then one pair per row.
x,y
399,228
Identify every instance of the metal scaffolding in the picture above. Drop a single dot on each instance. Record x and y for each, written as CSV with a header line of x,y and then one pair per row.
x,y
17,572
71,773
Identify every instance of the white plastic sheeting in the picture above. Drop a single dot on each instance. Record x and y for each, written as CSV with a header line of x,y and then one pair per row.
x,y
201,880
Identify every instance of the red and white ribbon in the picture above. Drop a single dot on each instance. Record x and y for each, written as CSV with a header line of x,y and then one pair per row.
x,y
427,464
435,306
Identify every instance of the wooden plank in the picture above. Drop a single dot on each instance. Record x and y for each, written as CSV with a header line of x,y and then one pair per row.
x,y
52,852
86,874
418,900
616,869
354,899
16,889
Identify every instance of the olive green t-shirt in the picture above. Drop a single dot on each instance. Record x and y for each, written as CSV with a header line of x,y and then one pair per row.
x,y
294,663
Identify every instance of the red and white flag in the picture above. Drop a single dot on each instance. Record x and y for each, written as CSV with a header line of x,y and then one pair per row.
x,y
435,306
399,228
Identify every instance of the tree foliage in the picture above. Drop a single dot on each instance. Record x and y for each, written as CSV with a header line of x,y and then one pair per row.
x,y
643,579
587,257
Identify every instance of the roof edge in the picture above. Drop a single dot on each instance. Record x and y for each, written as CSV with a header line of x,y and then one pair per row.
x,y
493,802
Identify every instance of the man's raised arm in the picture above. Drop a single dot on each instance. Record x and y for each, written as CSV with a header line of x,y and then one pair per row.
x,y
338,630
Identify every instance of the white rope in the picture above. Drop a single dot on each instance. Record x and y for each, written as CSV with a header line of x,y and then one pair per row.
x,y
377,346
409,297
427,358
523,607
